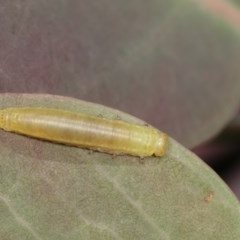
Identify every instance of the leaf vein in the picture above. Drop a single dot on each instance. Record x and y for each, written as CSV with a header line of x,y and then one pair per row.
x,y
145,215
19,218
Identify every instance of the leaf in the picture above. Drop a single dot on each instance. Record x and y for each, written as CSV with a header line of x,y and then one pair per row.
x,y
52,191
173,63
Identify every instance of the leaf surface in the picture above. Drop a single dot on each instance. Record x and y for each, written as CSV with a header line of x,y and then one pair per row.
x,y
52,191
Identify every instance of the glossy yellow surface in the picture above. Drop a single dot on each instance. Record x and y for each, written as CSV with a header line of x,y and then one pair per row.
x,y
101,134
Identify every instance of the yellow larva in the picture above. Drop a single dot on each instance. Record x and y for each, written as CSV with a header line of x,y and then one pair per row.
x,y
71,128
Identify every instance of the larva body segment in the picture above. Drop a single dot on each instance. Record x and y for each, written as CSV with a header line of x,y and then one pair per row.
x,y
105,135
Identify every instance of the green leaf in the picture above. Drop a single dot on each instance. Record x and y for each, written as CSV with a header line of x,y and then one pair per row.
x,y
52,191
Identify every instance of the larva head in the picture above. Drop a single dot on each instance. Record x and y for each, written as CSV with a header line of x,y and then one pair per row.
x,y
161,144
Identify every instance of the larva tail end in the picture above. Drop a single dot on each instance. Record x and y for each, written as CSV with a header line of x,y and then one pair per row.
x,y
3,122
161,145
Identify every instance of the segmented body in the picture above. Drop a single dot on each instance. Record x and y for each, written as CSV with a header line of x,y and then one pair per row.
x,y
87,131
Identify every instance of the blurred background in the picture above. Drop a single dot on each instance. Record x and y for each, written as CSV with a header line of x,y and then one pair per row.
x,y
174,64
223,154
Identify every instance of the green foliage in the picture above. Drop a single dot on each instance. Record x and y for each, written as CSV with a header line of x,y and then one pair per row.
x,y
52,191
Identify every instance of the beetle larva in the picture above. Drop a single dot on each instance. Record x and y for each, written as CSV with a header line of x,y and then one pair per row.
x,y
87,131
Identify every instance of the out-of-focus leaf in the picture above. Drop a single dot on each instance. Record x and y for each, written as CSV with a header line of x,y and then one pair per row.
x,y
216,151
233,178
234,125
172,63
51,191
236,1
223,157
223,154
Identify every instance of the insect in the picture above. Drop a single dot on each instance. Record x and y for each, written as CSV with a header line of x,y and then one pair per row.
x,y
86,131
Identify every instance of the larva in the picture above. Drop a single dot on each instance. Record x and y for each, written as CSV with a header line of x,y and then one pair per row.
x,y
86,131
